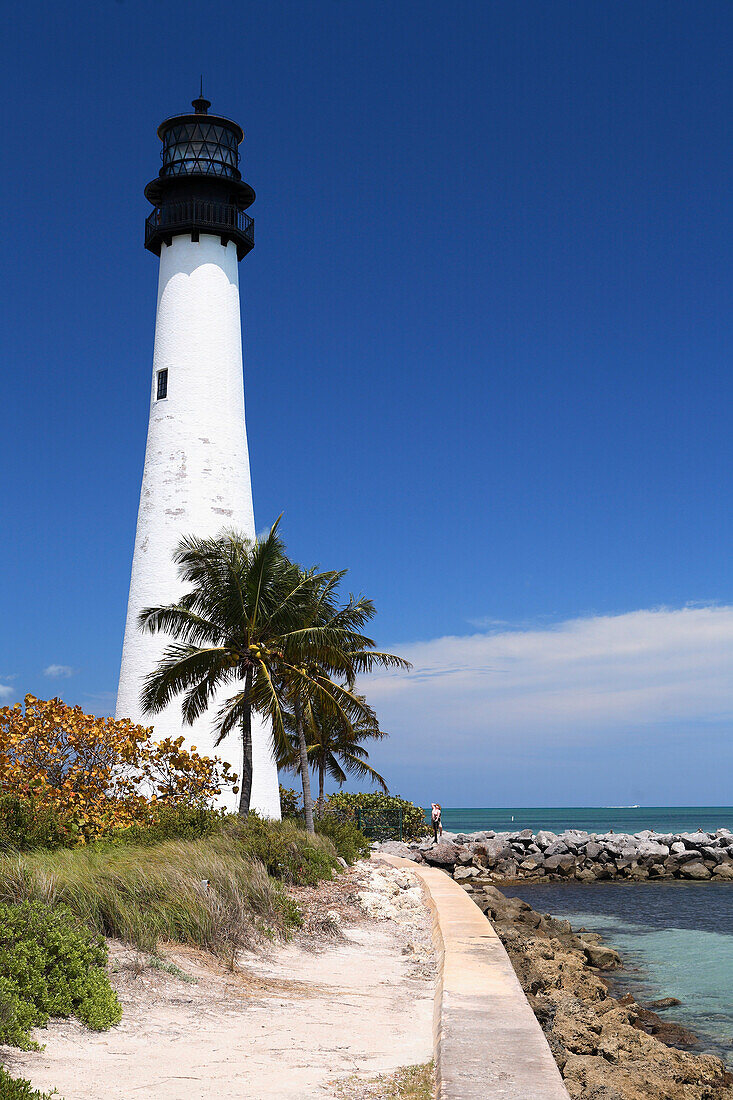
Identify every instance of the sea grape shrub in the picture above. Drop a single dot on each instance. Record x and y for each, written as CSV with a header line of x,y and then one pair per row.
x,y
92,775
385,807
349,842
17,1088
50,965
25,825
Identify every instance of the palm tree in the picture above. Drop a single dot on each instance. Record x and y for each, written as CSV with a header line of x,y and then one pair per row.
x,y
249,622
326,677
335,749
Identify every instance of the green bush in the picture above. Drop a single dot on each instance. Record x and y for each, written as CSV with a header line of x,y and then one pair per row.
x,y
175,822
24,825
345,804
291,804
349,842
17,1088
50,966
287,851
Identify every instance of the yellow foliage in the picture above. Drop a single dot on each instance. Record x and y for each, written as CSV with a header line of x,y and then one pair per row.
x,y
98,773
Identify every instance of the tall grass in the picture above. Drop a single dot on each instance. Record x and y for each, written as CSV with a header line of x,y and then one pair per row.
x,y
208,892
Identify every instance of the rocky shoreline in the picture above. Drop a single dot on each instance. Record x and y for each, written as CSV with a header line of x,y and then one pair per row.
x,y
586,857
606,1048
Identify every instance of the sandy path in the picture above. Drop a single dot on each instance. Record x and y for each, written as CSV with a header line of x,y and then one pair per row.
x,y
294,1021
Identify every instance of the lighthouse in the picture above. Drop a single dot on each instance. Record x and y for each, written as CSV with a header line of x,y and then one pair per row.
x,y
196,479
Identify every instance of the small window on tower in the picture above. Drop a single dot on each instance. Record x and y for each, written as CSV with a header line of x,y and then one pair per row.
x,y
162,384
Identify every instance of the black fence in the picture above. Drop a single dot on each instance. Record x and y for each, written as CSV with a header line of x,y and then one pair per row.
x,y
383,824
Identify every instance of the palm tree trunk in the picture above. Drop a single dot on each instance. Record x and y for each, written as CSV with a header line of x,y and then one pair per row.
x,y
246,784
305,774
321,783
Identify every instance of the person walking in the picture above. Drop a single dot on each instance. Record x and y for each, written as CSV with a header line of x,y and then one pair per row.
x,y
435,820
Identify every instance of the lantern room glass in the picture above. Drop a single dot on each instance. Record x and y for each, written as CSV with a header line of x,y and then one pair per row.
x,y
200,147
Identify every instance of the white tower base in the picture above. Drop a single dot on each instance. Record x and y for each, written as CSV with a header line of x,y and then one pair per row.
x,y
196,480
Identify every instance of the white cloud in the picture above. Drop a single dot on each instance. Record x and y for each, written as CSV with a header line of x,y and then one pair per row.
x,y
567,684
58,671
5,691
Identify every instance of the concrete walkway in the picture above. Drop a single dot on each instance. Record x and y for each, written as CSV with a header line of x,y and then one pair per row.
x,y
488,1044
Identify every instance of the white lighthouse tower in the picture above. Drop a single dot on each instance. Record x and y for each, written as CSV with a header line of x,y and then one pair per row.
x,y
196,479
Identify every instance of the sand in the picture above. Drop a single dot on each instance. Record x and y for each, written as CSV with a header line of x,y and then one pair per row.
x,y
289,1024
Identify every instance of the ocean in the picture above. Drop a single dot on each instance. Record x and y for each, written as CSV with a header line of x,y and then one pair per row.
x,y
593,819
676,940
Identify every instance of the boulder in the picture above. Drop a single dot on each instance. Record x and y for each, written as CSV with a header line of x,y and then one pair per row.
x,y
593,850
560,864
663,1002
544,838
493,850
506,867
649,851
395,848
585,874
603,958
442,855
685,856
695,870
465,856
461,874
723,871
694,840
556,848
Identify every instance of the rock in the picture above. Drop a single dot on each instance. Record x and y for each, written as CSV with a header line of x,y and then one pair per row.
x,y
663,1002
442,855
590,937
465,856
724,871
603,958
556,848
544,838
593,850
694,840
462,873
396,848
493,850
560,864
649,851
685,855
695,870
532,863
585,874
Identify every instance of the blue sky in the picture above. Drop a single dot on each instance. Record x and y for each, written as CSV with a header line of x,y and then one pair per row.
x,y
488,337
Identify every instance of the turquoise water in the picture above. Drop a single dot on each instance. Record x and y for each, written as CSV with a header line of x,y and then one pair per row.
x,y
676,940
593,819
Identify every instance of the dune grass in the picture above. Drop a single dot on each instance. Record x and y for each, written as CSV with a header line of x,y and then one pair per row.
x,y
214,892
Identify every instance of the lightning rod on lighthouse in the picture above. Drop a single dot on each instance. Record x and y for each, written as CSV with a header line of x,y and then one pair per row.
x,y
196,479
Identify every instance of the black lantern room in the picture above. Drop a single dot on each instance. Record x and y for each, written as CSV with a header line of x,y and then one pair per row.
x,y
199,188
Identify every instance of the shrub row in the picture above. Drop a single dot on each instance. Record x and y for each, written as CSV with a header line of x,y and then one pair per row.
x,y
382,807
26,825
